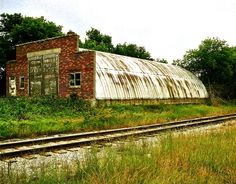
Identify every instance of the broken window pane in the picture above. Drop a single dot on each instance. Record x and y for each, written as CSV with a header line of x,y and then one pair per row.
x,y
75,79
22,82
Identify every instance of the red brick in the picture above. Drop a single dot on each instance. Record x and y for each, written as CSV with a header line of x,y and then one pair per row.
x,y
69,61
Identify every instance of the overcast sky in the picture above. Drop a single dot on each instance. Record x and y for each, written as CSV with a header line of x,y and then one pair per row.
x,y
166,28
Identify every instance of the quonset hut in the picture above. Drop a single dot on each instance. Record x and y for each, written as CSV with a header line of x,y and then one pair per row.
x,y
56,66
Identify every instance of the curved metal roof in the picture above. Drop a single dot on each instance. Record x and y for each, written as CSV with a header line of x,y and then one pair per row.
x,y
122,77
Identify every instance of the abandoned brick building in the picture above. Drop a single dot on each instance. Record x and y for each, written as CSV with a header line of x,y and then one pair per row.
x,y
56,66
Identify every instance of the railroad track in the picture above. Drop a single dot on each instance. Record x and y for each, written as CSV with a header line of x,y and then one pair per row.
x,y
35,146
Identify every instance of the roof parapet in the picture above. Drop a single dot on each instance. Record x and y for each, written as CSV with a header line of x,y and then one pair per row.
x,y
70,33
11,61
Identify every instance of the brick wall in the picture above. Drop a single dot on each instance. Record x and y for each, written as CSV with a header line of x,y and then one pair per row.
x,y
83,62
69,61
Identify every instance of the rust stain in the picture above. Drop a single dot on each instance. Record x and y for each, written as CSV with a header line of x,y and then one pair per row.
x,y
122,77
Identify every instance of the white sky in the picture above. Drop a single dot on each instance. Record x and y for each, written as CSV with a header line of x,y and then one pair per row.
x,y
166,28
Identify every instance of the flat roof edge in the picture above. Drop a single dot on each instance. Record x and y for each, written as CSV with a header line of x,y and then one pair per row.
x,y
45,39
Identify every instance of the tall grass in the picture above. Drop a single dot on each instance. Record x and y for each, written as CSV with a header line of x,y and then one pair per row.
x,y
21,117
200,158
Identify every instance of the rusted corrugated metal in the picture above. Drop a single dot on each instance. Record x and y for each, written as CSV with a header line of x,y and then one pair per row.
x,y
121,77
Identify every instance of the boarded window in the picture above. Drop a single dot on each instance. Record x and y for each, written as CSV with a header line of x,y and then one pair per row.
x,y
43,75
75,79
12,86
22,82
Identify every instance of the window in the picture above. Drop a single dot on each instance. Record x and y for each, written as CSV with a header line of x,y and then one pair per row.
x,y
75,79
12,86
22,82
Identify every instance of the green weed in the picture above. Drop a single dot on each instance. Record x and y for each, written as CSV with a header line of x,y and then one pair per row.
x,y
28,117
194,158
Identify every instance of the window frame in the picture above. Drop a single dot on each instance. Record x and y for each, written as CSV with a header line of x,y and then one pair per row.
x,y
75,79
22,85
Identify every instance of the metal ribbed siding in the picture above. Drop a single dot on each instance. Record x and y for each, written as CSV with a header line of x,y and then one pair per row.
x,y
121,77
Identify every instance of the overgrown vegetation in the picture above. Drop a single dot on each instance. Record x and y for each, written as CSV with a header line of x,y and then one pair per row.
x,y
21,117
198,158
214,62
98,41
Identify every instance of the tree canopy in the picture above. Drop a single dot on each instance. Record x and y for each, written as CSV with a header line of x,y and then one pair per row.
x,y
132,50
16,29
102,42
214,62
98,41
162,60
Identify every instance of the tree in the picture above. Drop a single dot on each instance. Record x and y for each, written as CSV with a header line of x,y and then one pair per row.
x,y
232,84
98,41
16,29
214,63
161,60
179,62
132,50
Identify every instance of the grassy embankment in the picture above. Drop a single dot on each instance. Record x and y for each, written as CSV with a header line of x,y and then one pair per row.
x,y
21,117
200,158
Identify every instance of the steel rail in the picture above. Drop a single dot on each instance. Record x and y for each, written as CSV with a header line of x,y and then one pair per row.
x,y
102,132
87,138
